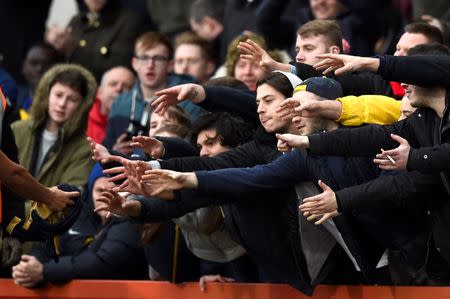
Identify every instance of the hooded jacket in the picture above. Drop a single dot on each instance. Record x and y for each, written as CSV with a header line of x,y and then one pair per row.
x,y
68,161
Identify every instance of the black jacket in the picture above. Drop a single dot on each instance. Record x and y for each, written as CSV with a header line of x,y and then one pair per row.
x,y
422,129
273,222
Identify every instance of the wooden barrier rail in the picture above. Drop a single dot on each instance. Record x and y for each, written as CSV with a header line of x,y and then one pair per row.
x,y
102,289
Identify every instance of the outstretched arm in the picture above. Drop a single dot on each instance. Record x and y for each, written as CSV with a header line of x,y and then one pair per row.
x,y
24,184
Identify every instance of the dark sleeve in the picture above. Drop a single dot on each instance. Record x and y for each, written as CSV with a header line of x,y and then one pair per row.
x,y
423,70
112,254
279,31
429,159
396,187
233,101
246,155
186,201
363,141
353,83
176,147
284,172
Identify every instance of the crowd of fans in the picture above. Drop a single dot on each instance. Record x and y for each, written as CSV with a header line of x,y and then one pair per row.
x,y
297,142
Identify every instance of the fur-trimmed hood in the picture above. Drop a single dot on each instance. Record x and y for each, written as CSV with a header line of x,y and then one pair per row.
x,y
39,108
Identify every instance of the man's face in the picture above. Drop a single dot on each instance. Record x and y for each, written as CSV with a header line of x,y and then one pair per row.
x,y
409,40
309,125
116,81
248,72
325,9
406,108
38,61
416,95
268,99
189,60
209,143
100,185
307,47
152,66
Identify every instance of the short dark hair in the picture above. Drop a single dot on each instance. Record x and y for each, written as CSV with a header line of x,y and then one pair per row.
x,y
232,131
54,55
328,28
432,33
72,78
227,81
278,81
207,8
429,49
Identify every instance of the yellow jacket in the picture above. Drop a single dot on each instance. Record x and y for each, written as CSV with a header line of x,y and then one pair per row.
x,y
368,109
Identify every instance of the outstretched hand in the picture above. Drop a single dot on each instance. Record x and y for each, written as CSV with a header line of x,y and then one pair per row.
x,y
341,64
99,152
163,180
173,95
320,204
253,53
288,141
398,155
116,204
149,145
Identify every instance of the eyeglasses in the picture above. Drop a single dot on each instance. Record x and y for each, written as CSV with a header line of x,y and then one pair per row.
x,y
157,59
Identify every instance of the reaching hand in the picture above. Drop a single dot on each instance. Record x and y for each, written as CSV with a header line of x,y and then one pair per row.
x,y
288,141
99,152
253,52
341,64
122,144
29,272
116,204
58,199
150,145
173,95
286,109
322,203
212,278
167,180
395,159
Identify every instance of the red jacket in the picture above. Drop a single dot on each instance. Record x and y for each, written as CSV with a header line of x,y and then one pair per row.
x,y
97,122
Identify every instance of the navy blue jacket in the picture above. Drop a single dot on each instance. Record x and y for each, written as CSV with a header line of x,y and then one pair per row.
x,y
91,250
254,226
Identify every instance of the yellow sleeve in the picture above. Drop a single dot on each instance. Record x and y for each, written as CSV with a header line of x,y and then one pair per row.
x,y
369,109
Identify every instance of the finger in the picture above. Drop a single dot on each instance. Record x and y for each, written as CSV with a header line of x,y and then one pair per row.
x,y
118,177
170,90
324,186
382,162
184,94
114,170
399,139
202,284
118,159
324,218
342,70
328,70
312,217
247,57
388,167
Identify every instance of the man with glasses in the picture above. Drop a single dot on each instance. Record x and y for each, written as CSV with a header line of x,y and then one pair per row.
x,y
153,64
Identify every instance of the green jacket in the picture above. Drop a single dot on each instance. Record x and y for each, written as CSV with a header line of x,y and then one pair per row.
x,y
69,161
